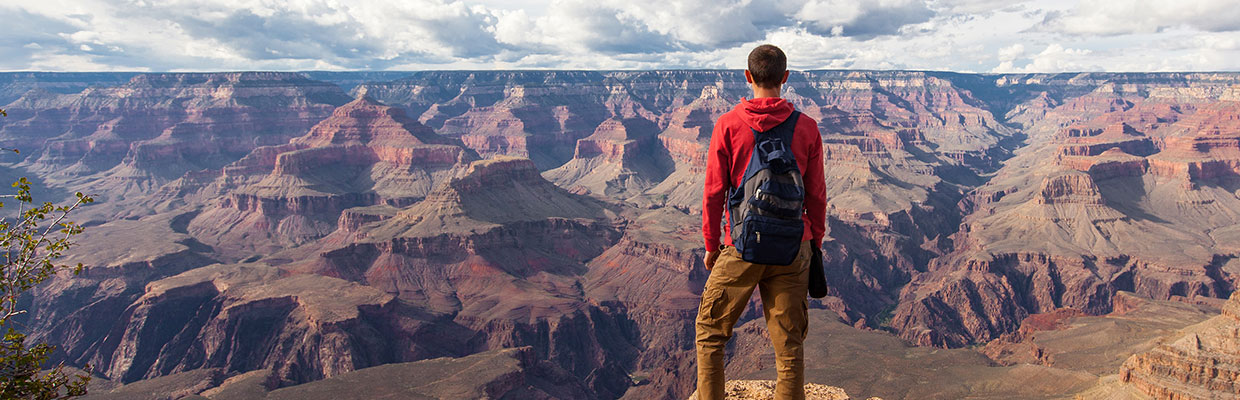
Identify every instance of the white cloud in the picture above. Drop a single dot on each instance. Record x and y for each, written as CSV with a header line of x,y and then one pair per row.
x,y
863,18
1012,52
959,35
1055,58
1117,17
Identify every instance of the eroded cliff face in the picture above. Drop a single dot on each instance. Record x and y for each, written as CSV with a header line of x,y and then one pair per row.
x,y
1203,362
246,317
1127,187
283,196
621,159
282,227
654,276
497,253
77,311
132,138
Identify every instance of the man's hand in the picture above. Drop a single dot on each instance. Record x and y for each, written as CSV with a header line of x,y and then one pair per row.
x,y
711,256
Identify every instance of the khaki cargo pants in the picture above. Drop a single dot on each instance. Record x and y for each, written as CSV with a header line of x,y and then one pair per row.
x,y
783,289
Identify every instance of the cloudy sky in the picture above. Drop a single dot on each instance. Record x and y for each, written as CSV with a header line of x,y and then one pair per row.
x,y
955,35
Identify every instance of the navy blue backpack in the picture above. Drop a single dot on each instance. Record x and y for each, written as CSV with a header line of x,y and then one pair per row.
x,y
764,211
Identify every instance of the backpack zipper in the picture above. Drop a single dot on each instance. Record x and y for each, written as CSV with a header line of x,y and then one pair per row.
x,y
759,237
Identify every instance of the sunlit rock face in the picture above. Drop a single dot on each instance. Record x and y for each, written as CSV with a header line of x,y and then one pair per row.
x,y
281,196
1201,363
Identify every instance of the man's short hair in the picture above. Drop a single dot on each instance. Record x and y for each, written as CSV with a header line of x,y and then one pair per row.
x,y
767,65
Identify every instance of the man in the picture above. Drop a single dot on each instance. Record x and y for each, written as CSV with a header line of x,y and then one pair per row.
x,y
732,280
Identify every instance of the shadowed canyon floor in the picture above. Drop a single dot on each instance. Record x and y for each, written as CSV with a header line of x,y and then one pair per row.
x,y
990,236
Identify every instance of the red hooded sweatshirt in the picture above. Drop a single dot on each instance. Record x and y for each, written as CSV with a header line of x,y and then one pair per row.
x,y
730,146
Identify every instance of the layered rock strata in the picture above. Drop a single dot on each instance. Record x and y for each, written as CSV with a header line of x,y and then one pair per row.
x,y
281,196
124,141
1201,363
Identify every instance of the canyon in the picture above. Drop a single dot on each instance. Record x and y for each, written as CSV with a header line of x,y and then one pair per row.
x,y
262,232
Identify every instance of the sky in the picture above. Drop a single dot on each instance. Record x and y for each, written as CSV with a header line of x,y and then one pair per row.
x,y
943,35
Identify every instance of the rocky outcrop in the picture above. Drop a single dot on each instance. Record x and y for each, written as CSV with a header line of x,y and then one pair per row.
x,y
1112,163
77,311
622,159
1081,141
991,297
1203,362
1198,158
747,390
498,252
1069,189
245,317
365,154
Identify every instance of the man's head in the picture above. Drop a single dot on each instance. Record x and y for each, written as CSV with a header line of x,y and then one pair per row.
x,y
768,67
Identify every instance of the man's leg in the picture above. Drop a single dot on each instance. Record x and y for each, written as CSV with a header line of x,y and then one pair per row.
x,y
784,303
727,290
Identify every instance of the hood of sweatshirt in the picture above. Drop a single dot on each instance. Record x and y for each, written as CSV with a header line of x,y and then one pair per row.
x,y
764,113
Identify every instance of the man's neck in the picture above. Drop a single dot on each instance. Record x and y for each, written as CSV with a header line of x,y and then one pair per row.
x,y
761,92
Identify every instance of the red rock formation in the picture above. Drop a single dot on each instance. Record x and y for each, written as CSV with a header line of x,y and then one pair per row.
x,y
621,159
496,250
653,275
1201,363
1070,189
686,138
246,317
1092,142
158,126
78,311
1198,158
527,114
1039,238
1112,163
364,154
352,219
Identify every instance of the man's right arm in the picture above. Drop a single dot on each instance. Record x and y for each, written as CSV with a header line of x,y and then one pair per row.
x,y
718,179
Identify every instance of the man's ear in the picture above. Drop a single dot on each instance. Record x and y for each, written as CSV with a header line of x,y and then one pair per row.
x,y
785,77
748,77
